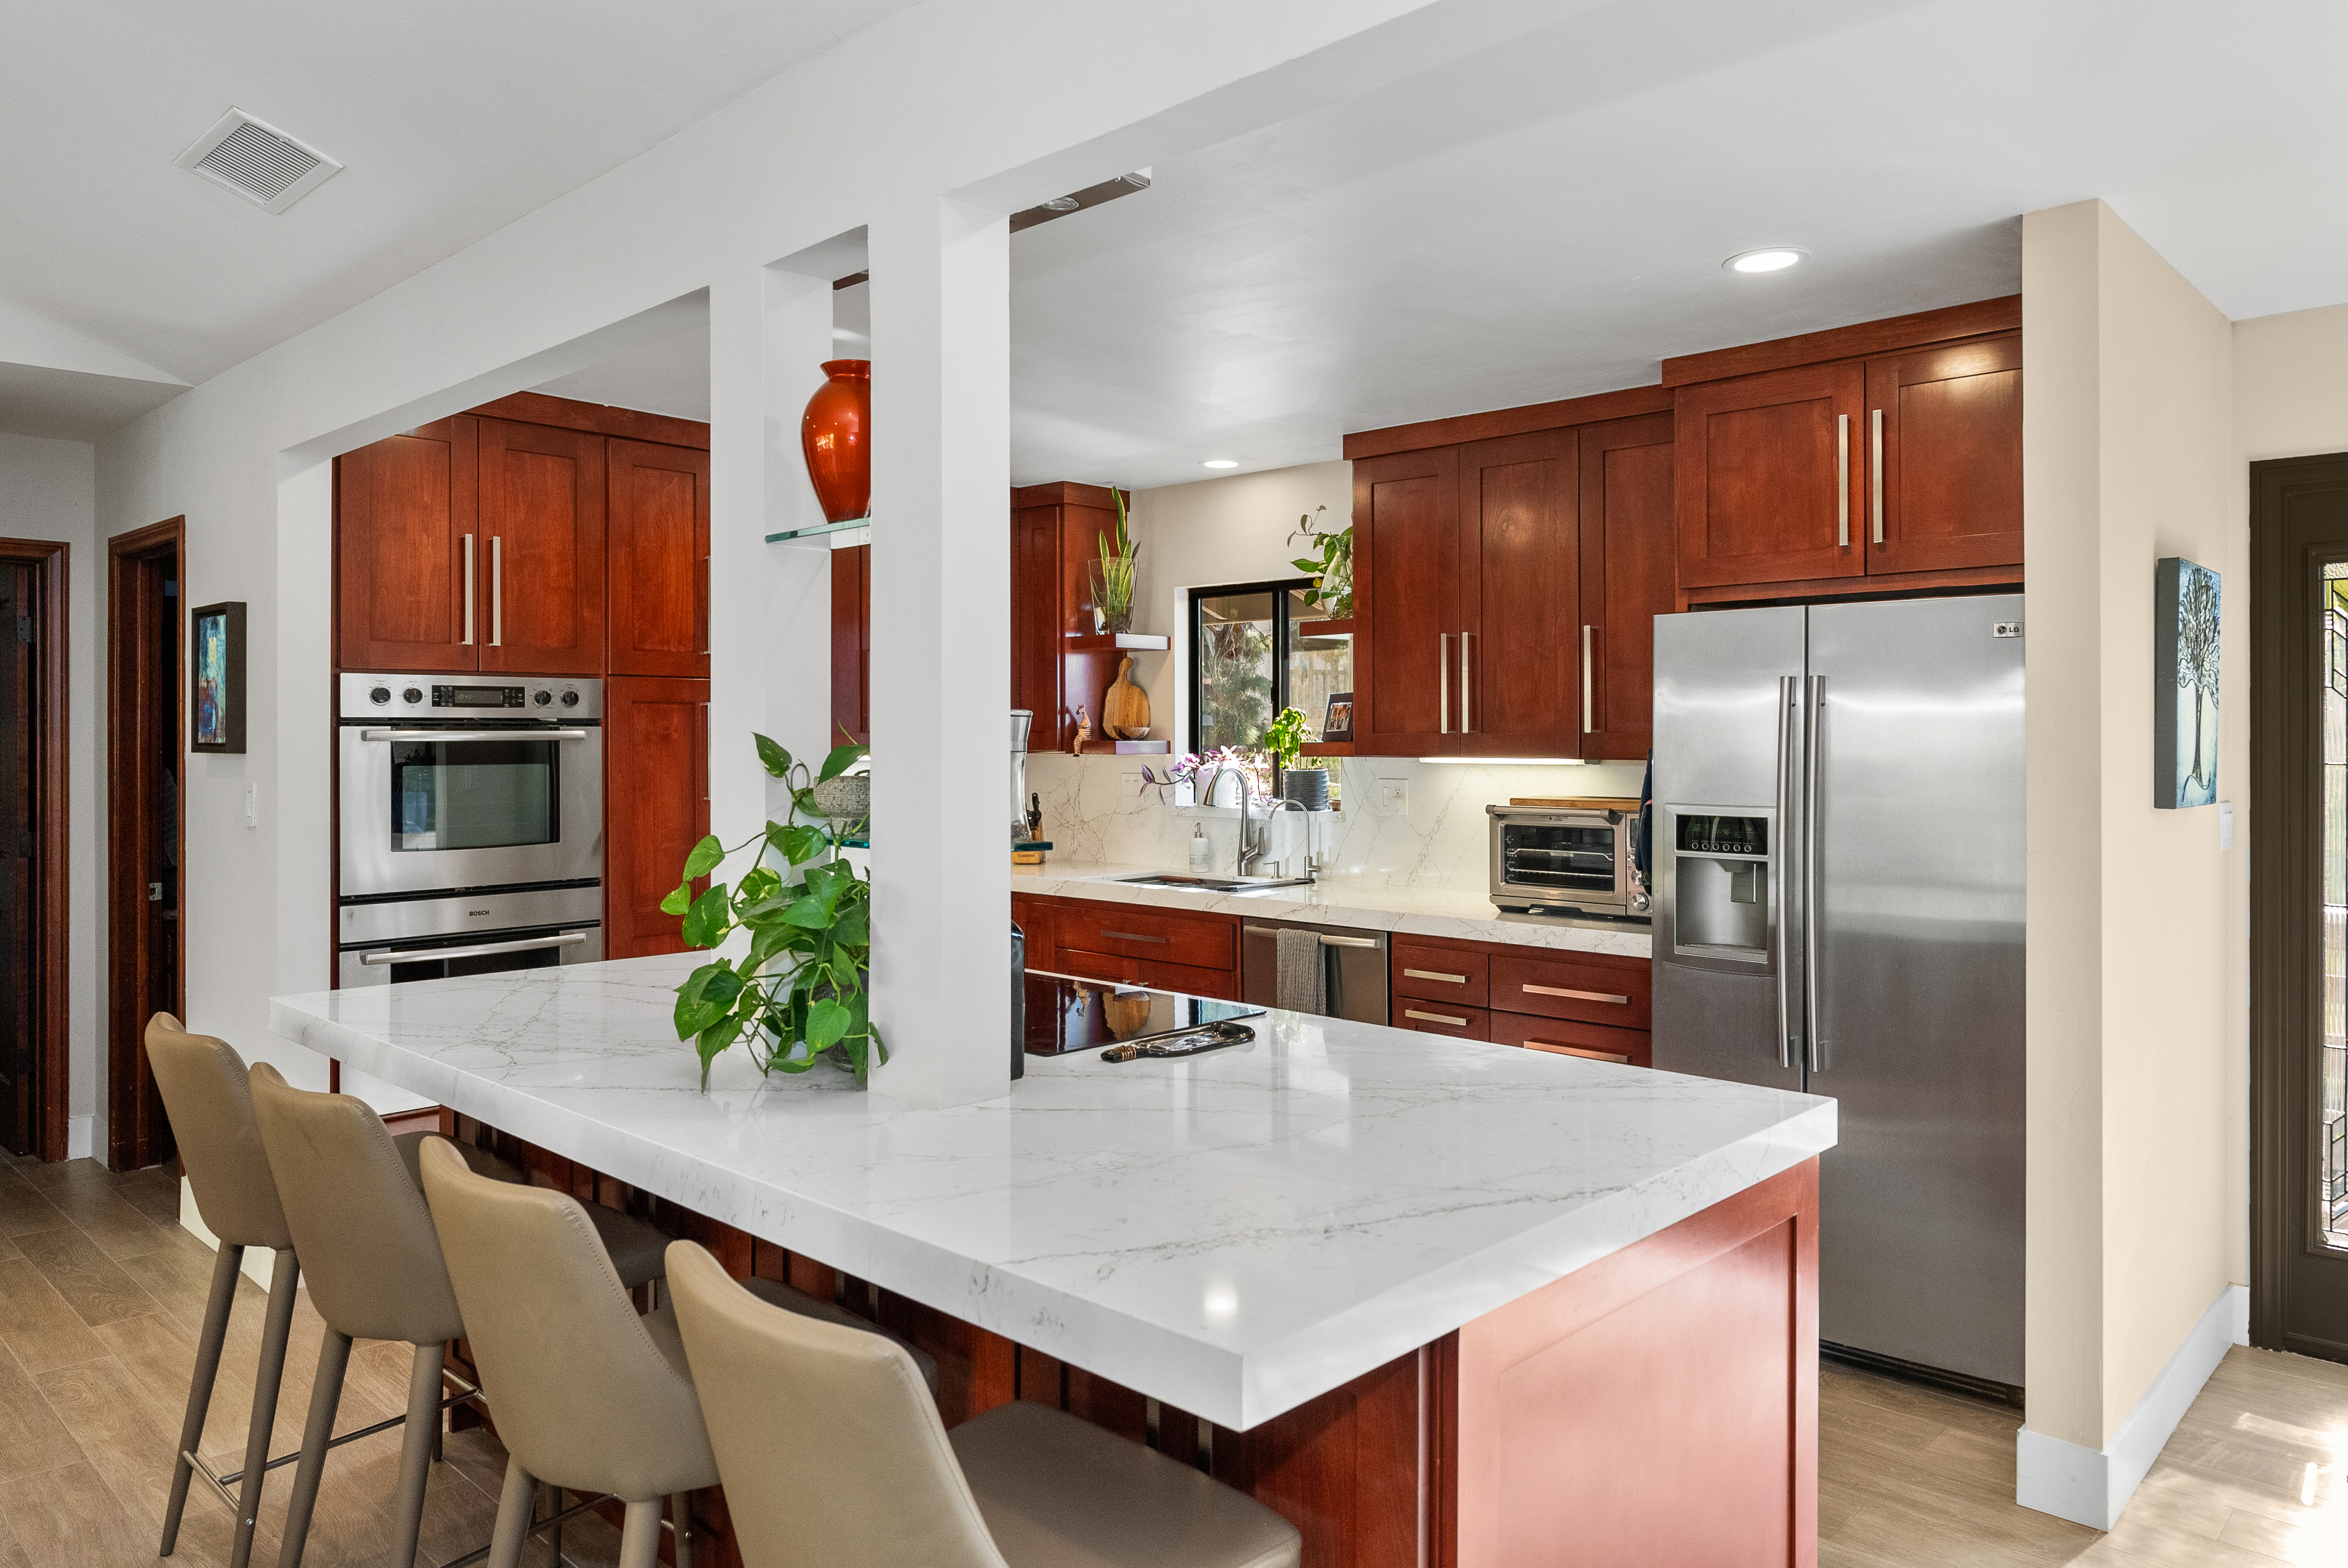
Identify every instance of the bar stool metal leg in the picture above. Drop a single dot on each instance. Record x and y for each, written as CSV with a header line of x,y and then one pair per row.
x,y
199,1387
515,1505
416,1449
284,1276
680,1509
325,1399
640,1534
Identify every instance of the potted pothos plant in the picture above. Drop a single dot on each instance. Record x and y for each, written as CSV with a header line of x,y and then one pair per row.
x,y
1332,564
796,996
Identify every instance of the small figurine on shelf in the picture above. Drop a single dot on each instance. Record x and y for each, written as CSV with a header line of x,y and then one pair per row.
x,y
1084,730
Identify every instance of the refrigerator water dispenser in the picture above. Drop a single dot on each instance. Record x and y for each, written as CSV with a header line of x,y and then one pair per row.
x,y
1721,896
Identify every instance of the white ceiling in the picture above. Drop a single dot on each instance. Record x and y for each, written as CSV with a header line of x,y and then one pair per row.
x,y
453,118
1549,218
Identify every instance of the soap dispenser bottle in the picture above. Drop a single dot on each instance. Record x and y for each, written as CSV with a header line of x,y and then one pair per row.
x,y
1202,852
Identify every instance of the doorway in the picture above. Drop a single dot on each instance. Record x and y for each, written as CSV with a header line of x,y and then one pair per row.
x,y
145,763
32,819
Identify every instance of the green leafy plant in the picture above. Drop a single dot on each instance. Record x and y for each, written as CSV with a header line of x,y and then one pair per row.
x,y
798,994
1332,565
1286,736
1114,569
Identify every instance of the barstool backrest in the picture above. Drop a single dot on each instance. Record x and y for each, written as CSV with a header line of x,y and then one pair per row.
x,y
774,1384
203,1088
584,1398
369,1254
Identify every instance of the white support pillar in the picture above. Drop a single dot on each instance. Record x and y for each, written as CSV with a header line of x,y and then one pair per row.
x,y
941,650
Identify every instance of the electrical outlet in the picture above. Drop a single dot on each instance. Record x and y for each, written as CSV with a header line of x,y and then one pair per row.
x,y
1394,797
251,804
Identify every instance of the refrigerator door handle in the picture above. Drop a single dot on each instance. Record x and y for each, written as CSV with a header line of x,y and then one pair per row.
x,y
1813,720
1788,695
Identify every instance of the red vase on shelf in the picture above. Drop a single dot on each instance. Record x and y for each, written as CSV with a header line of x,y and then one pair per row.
x,y
836,435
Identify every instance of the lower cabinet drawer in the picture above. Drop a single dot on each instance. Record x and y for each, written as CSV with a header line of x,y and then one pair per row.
x,y
1456,975
1222,985
1593,988
1160,937
1439,1018
1568,1037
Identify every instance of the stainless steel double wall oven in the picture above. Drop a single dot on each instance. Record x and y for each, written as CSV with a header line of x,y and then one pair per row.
x,y
472,824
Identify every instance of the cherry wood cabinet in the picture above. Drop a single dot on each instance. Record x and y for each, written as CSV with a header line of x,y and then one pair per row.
x,y
541,575
1130,944
658,557
1944,458
1575,1004
1769,476
1518,563
1626,526
1406,570
655,804
851,645
1056,530
406,510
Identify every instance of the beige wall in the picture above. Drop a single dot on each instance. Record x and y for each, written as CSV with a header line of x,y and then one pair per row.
x,y
2137,928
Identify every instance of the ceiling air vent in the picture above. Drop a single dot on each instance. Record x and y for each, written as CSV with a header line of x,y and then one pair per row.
x,y
258,161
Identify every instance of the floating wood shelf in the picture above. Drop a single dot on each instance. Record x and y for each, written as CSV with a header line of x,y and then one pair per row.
x,y
1100,748
1114,641
1325,628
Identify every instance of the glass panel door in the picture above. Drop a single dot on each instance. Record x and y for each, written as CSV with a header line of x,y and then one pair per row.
x,y
2331,1098
1237,637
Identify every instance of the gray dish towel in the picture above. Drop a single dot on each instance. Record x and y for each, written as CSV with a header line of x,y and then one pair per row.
x,y
1301,985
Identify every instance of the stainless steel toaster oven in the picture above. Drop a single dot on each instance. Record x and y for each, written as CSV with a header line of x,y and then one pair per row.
x,y
1565,860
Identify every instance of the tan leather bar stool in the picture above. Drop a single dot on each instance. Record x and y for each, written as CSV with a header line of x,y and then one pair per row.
x,y
203,1083
1023,1486
353,1197
590,1396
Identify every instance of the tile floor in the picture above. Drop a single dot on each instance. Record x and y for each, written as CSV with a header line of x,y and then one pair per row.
x,y
102,1296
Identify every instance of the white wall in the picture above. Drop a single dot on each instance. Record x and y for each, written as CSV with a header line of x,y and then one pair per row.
x,y
2138,937
48,490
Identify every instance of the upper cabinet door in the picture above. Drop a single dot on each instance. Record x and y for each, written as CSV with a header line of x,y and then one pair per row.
x,y
1626,579
1770,471
1406,603
1945,449
406,514
1036,612
659,561
1519,572
541,574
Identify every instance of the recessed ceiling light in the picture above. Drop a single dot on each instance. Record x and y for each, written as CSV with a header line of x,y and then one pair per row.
x,y
1775,259
1221,462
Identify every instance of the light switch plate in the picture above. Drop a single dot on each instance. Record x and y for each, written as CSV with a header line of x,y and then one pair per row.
x,y
2225,825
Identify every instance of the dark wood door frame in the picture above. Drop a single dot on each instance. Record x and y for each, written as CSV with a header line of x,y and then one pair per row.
x,y
126,864
2287,553
51,818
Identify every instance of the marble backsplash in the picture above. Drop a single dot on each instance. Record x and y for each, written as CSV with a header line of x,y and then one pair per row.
x,y
1413,824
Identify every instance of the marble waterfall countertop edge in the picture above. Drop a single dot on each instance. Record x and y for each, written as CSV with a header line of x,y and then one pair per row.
x,y
1232,1234
1363,902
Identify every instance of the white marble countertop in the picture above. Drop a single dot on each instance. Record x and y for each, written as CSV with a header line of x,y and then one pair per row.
x,y
1364,902
1233,1233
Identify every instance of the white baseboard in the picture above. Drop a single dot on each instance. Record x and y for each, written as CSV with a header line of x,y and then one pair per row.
x,y
255,1265
2091,1487
78,1130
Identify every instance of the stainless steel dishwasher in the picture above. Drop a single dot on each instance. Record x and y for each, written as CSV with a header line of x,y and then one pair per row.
x,y
1354,968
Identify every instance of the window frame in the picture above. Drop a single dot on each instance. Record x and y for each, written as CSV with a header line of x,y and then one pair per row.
x,y
1283,625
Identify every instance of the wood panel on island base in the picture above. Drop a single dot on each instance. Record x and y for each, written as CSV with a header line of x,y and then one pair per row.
x,y
1657,1407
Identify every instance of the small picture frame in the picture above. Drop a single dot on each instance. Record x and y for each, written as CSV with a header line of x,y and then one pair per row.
x,y
216,678
1337,724
2186,601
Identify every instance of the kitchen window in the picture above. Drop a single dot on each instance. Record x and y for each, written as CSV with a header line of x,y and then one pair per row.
x,y
1255,650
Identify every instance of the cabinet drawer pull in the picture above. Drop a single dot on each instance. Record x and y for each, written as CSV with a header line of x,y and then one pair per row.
x,y
1577,996
1436,975
1435,1018
1132,936
1555,1050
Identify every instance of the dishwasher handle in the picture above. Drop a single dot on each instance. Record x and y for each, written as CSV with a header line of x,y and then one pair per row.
x,y
1326,940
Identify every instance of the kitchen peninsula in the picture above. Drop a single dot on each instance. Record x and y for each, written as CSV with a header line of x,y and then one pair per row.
x,y
1438,1301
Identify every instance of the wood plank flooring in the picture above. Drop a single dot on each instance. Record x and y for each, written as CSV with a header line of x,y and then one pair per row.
x,y
102,1296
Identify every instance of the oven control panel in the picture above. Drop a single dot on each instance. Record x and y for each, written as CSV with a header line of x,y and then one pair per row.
x,y
462,699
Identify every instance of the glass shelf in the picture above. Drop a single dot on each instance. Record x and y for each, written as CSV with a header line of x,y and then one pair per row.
x,y
819,530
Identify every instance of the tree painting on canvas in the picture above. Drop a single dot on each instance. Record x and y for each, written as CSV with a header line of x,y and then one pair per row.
x,y
2185,684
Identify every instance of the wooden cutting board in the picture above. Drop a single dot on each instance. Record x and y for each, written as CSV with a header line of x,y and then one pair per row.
x,y
1125,709
1567,802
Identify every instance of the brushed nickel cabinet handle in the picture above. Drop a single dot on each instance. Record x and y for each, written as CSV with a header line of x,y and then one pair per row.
x,y
1466,686
497,590
1589,713
1875,474
1577,996
467,640
1133,936
1436,975
1556,1050
1842,481
1443,683
1435,1018
484,949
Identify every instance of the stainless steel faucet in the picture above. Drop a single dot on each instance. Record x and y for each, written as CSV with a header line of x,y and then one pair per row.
x,y
1251,842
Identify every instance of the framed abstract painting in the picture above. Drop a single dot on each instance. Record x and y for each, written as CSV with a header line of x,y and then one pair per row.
x,y
216,678
2185,684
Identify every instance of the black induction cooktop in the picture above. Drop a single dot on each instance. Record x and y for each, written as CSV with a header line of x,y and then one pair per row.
x,y
1067,1015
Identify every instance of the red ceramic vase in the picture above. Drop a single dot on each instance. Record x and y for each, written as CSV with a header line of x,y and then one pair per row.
x,y
837,435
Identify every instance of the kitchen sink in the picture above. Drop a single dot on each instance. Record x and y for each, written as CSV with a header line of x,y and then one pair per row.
x,y
1213,884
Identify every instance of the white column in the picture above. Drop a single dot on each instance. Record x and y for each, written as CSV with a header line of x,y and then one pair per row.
x,y
941,650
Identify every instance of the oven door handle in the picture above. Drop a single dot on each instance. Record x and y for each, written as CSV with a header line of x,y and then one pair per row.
x,y
483,950
515,733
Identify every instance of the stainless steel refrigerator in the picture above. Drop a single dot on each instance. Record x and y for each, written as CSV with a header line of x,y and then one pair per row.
x,y
1837,882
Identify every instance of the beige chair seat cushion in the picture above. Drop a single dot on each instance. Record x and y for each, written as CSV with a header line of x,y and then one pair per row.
x,y
1060,1493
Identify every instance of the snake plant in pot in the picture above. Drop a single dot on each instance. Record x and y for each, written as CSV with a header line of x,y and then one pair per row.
x,y
797,995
